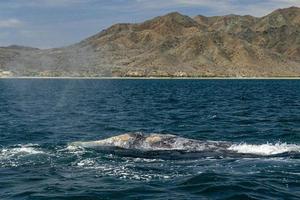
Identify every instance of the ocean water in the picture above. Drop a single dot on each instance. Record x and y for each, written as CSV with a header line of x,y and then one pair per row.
x,y
40,118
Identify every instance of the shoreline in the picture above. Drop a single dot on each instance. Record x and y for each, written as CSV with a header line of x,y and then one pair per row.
x,y
157,78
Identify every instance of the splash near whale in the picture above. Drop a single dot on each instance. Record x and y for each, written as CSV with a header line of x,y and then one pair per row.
x,y
172,146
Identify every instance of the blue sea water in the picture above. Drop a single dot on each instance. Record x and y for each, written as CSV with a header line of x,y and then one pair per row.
x,y
40,118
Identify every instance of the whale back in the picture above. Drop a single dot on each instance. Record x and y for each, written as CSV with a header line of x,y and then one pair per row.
x,y
164,146
151,142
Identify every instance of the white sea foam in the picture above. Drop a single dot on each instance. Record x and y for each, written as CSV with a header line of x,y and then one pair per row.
x,y
72,148
20,150
126,169
86,163
265,149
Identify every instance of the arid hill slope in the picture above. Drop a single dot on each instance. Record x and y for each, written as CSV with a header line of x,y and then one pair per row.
x,y
174,45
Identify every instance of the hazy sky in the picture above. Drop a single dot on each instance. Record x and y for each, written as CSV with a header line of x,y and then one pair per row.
x,y
55,23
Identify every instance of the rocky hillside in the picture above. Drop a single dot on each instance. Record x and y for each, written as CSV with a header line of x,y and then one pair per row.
x,y
173,45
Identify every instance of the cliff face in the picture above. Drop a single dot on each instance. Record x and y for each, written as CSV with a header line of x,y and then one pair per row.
x,y
174,45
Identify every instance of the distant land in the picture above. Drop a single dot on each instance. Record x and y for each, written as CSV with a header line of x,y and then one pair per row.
x,y
173,45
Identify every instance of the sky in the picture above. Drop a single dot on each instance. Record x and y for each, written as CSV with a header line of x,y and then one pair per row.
x,y
56,23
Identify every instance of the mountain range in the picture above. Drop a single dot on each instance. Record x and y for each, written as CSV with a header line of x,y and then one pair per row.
x,y
173,45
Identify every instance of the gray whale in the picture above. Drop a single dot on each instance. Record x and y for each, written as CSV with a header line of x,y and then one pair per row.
x,y
169,146
156,145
